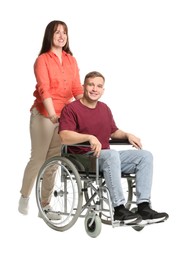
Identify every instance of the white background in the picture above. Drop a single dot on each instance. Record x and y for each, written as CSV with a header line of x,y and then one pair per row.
x,y
139,47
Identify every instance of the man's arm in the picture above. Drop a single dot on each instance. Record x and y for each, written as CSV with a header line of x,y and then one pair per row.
x,y
72,137
135,141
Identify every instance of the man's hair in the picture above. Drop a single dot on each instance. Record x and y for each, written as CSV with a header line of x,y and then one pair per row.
x,y
93,74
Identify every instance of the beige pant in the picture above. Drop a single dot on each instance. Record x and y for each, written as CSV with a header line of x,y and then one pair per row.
x,y
45,143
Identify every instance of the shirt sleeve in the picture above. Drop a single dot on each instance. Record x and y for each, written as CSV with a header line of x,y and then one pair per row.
x,y
67,119
77,87
112,121
42,78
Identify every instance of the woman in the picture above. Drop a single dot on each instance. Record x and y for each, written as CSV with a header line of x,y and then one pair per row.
x,y
58,82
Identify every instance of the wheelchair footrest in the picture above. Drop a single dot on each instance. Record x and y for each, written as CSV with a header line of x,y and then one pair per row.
x,y
118,223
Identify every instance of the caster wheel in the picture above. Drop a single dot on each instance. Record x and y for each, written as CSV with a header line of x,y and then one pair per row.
x,y
93,225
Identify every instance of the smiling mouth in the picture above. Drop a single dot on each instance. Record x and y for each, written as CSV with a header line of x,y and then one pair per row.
x,y
94,94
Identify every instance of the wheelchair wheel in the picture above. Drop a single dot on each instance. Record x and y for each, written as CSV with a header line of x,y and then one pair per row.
x,y
93,224
138,228
65,192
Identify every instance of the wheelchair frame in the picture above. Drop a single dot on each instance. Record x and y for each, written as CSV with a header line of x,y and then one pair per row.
x,y
79,190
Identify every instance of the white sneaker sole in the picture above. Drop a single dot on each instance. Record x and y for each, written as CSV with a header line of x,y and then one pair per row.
x,y
51,216
23,212
129,221
151,221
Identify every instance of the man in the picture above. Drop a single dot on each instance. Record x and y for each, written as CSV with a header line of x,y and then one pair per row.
x,y
91,120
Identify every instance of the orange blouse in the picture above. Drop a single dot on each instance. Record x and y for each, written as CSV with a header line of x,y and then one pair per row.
x,y
59,81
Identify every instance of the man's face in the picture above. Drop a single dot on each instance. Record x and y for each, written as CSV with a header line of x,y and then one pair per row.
x,y
94,88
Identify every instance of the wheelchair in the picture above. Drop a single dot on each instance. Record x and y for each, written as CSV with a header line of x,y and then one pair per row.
x,y
79,190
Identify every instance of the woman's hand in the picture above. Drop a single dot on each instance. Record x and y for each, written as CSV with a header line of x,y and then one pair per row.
x,y
54,119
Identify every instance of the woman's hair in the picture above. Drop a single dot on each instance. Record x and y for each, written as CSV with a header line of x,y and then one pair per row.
x,y
93,74
48,37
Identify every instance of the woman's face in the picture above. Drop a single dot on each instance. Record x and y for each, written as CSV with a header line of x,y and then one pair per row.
x,y
59,37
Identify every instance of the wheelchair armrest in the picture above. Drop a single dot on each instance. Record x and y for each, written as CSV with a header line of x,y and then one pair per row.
x,y
111,142
119,142
81,144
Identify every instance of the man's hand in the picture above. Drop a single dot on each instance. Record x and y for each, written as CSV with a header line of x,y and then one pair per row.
x,y
135,141
95,145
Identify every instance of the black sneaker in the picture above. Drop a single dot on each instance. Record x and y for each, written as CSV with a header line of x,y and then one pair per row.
x,y
126,216
149,215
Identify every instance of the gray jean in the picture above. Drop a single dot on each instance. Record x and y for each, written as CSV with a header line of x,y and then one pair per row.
x,y
140,162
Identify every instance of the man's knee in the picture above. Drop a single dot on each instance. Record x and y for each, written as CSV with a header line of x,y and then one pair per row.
x,y
110,155
147,155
